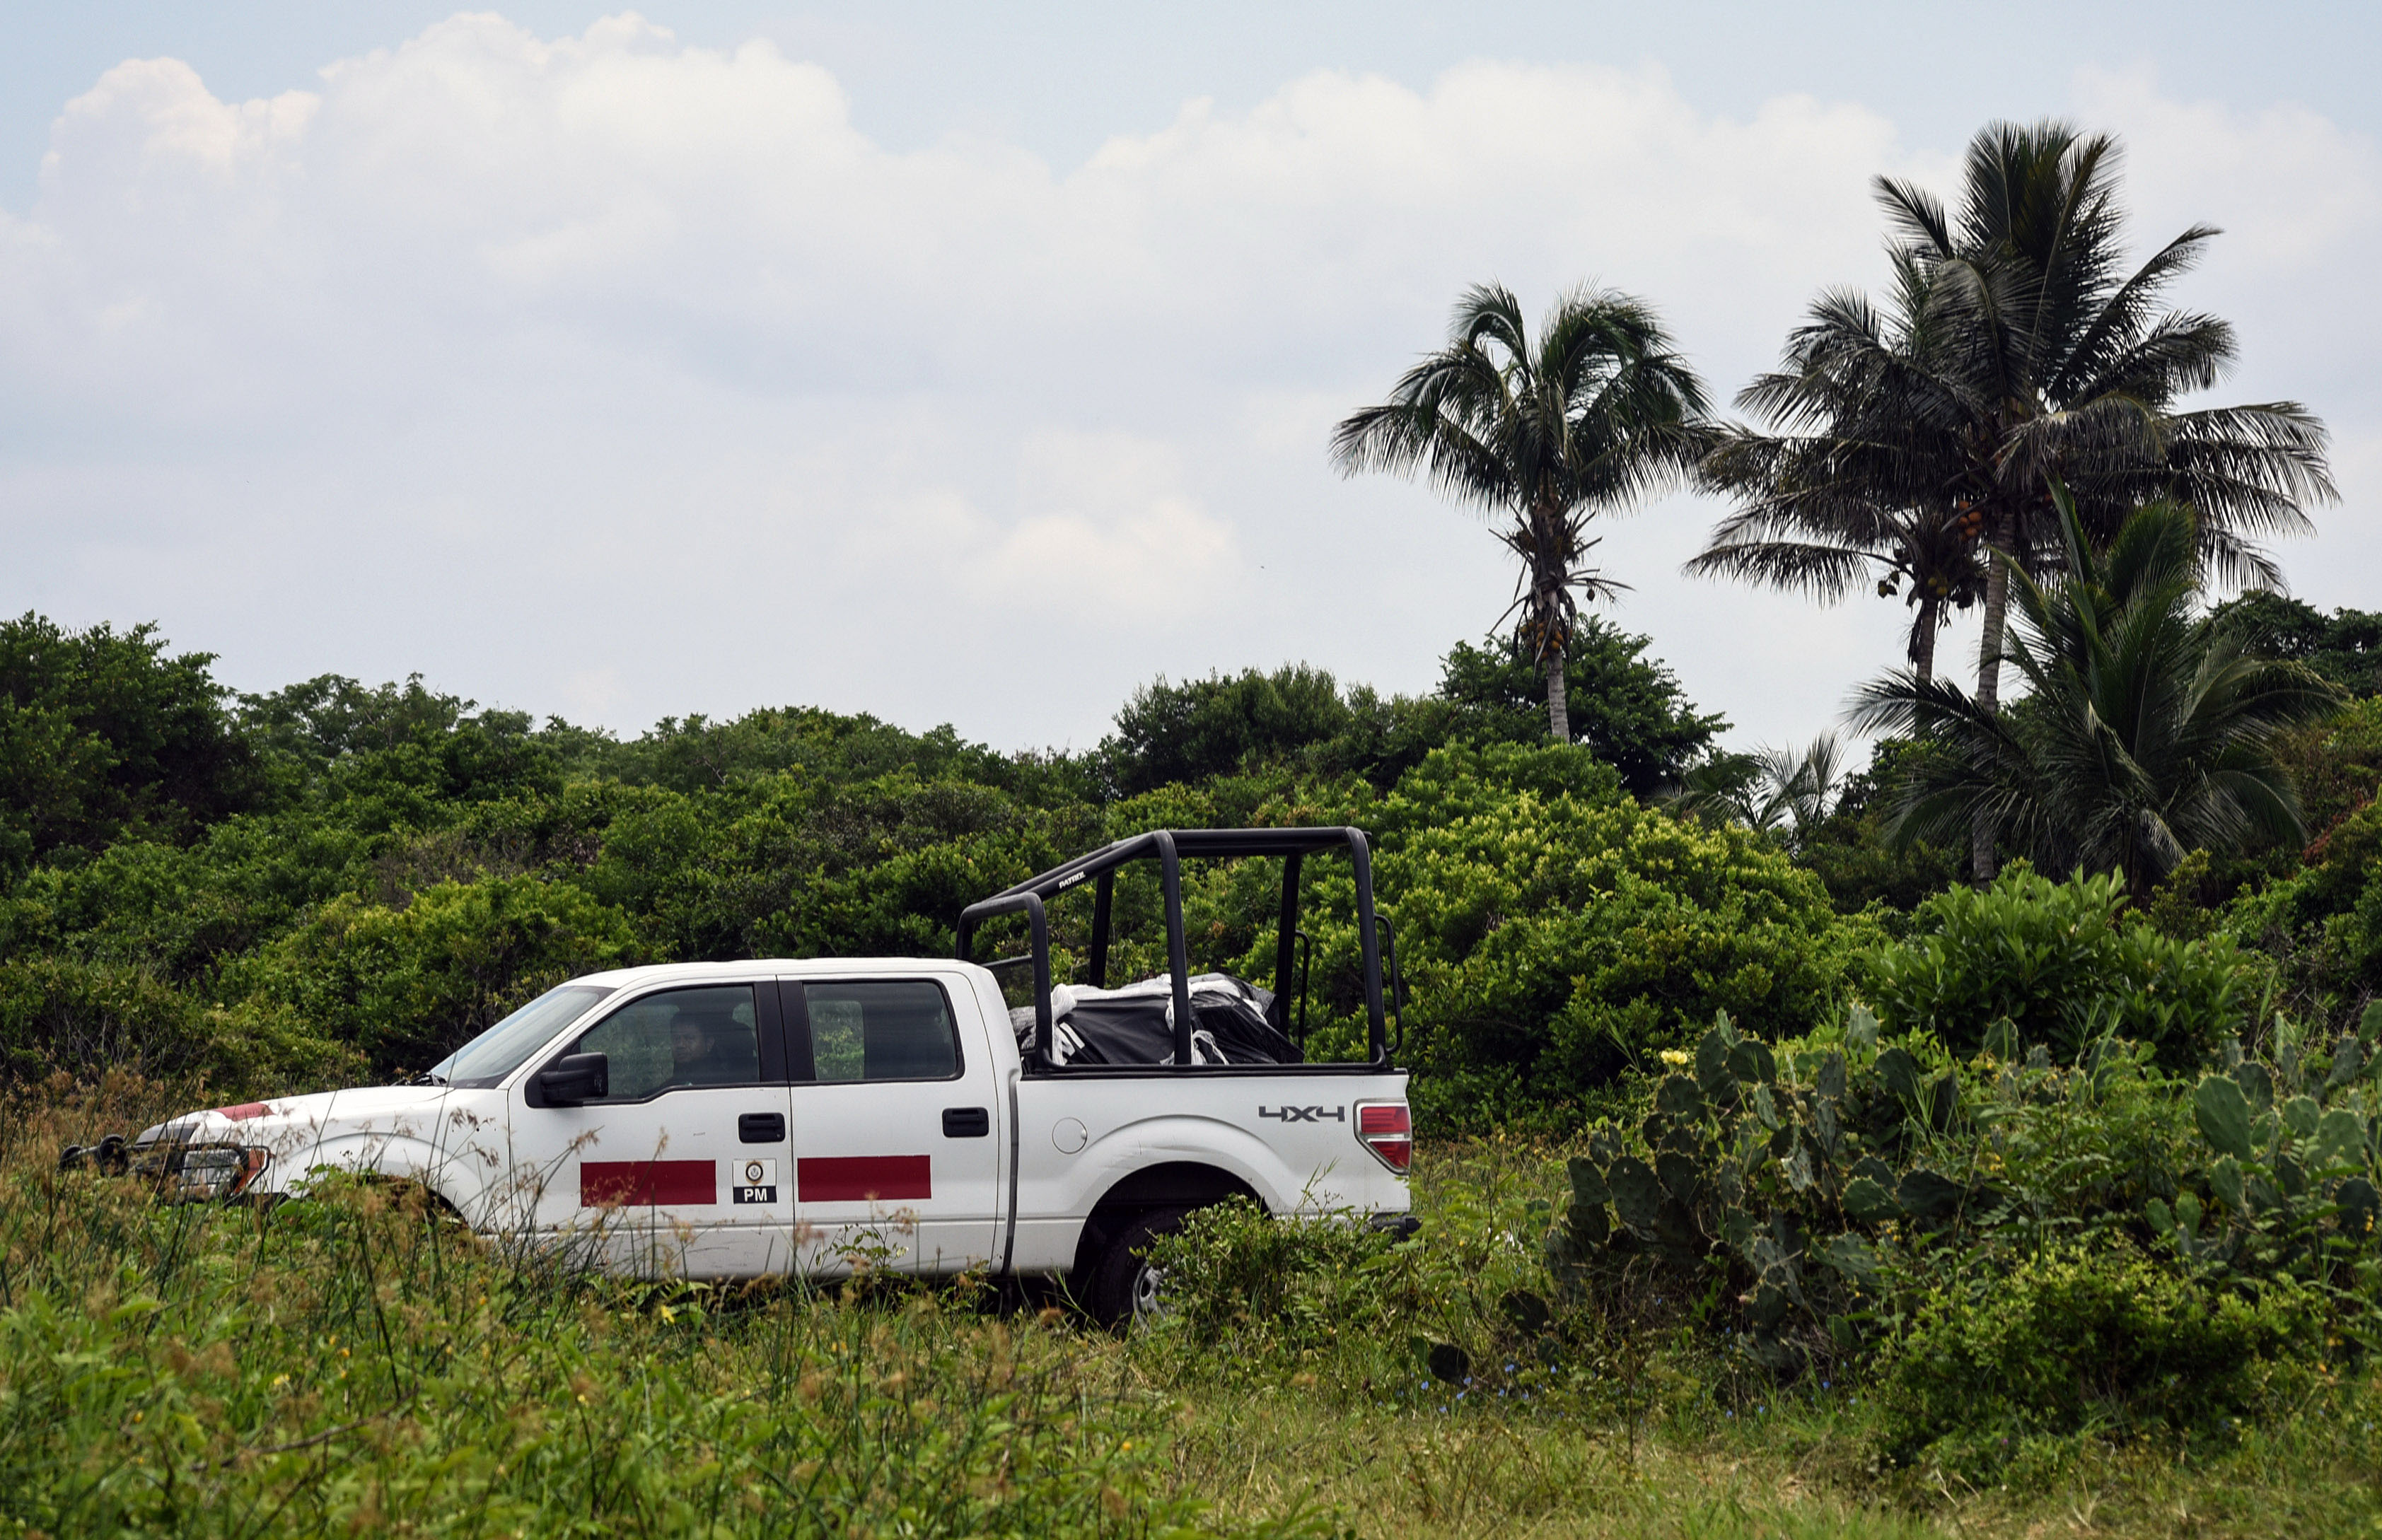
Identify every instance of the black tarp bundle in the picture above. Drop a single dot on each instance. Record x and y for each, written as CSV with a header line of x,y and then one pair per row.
x,y
1135,1024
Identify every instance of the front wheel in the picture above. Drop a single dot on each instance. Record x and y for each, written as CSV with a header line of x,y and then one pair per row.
x,y
1124,1289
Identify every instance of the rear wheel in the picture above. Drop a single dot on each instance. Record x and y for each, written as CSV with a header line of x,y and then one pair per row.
x,y
1123,1287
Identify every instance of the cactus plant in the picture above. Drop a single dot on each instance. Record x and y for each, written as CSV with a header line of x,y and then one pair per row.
x,y
1776,1168
2293,1186
1821,1179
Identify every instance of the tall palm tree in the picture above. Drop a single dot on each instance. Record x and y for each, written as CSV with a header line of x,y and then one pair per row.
x,y
1542,435
2015,349
2150,730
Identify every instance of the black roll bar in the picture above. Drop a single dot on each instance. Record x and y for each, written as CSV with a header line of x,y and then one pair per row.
x,y
1169,848
1178,946
1285,945
1039,921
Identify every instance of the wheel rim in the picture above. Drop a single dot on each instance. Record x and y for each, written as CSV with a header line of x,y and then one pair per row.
x,y
1148,1298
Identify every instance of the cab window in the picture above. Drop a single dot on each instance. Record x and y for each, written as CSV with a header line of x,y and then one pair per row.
x,y
889,1030
680,1039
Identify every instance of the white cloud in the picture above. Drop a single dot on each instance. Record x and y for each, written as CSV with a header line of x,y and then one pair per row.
x,y
499,356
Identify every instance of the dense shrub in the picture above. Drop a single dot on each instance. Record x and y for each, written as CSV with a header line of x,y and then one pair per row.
x,y
56,1013
407,986
1291,1285
2321,921
2065,965
1830,1177
2084,1339
2345,646
1556,933
1551,931
102,733
1625,708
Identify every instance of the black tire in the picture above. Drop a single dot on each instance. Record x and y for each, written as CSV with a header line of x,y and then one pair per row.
x,y
1122,1286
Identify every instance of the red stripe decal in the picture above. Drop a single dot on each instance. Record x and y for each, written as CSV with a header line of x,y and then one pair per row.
x,y
243,1112
646,1183
850,1179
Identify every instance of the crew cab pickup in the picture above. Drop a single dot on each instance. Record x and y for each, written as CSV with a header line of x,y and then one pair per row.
x,y
737,1119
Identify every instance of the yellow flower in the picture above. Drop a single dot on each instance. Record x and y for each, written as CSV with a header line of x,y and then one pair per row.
x,y
1675,1057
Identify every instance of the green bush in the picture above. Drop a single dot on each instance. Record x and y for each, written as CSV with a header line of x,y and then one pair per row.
x,y
1626,709
2064,965
406,985
2083,1340
1551,931
1557,933
60,1014
1826,1188
2323,922
103,734
1286,1284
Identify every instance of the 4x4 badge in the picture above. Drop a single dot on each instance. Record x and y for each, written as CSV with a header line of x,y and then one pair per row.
x,y
1306,1114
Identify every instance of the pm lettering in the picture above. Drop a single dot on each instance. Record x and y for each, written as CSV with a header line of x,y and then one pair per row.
x,y
1305,1114
756,1180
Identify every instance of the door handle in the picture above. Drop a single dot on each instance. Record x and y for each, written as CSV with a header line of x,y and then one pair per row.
x,y
966,1122
762,1128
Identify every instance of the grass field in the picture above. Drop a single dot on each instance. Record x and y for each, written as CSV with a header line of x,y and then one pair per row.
x,y
355,1365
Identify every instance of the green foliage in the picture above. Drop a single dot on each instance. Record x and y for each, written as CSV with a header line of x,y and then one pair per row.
x,y
1625,708
1861,864
103,734
818,746
1555,932
1216,726
2101,1340
408,986
408,865
1550,930
2336,764
1289,1286
2345,646
2290,1185
2320,918
2147,731
1774,1172
58,1012
2182,1248
2065,965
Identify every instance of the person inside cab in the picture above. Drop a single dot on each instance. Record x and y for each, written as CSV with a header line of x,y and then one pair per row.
x,y
707,1048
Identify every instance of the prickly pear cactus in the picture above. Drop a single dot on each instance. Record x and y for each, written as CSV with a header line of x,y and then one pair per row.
x,y
2296,1178
1776,1171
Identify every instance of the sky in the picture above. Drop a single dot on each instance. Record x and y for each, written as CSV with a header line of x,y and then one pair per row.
x,y
974,366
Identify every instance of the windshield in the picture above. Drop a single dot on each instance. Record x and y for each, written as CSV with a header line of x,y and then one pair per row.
x,y
498,1051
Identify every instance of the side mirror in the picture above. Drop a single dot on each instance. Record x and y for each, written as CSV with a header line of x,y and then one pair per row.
x,y
574,1079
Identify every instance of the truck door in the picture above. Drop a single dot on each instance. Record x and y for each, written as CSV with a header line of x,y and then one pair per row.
x,y
680,1167
897,1125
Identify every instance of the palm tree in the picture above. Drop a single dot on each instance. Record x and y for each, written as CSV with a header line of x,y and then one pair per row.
x,y
1935,553
2149,731
2015,349
1543,436
1768,790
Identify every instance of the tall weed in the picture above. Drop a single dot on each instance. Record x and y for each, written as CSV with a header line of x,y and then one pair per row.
x,y
354,1362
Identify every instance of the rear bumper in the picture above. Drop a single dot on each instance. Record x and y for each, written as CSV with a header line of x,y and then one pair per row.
x,y
1403,1226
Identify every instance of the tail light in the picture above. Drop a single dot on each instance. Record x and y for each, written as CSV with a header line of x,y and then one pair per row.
x,y
1387,1130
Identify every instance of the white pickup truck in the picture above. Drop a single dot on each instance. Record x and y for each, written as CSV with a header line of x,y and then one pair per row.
x,y
735,1119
